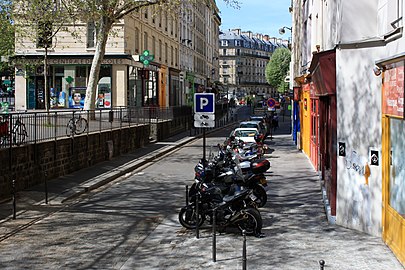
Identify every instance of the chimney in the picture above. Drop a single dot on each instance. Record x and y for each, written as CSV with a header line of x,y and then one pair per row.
x,y
236,31
266,38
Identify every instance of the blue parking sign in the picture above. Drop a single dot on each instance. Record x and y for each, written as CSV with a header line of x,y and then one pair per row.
x,y
204,103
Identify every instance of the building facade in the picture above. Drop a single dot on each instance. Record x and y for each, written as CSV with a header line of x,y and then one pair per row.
x,y
352,64
243,57
124,81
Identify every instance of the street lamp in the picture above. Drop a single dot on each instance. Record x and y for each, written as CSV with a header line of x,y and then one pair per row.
x,y
282,30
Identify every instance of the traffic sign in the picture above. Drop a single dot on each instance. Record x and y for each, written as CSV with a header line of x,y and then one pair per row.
x,y
204,116
271,102
204,123
204,103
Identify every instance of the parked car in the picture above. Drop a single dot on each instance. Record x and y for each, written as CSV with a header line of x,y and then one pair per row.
x,y
259,125
247,135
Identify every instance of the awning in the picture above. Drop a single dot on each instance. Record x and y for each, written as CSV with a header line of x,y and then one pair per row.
x,y
323,72
302,79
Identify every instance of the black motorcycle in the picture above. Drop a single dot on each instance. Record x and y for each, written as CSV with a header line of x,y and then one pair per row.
x,y
231,210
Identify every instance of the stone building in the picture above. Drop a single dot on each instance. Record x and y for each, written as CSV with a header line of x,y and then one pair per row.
x,y
243,58
124,81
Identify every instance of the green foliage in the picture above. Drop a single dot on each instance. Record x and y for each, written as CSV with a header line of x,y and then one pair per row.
x,y
277,69
7,36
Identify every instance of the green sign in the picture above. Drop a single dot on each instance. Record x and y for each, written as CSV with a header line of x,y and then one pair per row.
x,y
145,58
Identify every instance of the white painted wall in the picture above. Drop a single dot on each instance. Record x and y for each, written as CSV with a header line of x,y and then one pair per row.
x,y
359,127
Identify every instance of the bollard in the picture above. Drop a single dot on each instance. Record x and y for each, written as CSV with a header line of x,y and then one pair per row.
x,y
244,251
214,236
197,218
321,264
186,195
46,188
14,199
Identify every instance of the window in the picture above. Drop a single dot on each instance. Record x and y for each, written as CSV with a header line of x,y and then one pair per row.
x,y
80,76
137,49
171,55
145,41
166,53
237,43
160,50
223,51
91,35
153,45
224,42
176,57
44,34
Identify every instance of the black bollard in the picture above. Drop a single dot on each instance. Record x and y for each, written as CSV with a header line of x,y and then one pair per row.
x,y
46,188
244,260
321,264
214,236
197,218
14,199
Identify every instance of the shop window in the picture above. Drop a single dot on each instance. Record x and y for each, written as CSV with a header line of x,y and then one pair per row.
x,y
80,78
397,166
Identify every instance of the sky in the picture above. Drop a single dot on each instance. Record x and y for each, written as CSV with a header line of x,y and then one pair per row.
x,y
258,16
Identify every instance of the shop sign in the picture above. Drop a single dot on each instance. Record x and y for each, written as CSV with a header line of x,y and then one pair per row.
x,y
393,90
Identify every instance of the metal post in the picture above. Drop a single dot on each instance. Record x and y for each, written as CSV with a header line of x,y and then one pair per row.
x,y
214,236
321,264
244,251
197,219
46,188
14,199
204,143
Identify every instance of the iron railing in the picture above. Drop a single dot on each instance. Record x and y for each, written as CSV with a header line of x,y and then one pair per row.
x,y
17,128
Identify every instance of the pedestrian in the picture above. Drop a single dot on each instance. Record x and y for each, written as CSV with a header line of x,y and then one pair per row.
x,y
275,121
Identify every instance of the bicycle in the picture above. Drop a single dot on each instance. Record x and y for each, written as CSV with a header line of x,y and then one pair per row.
x,y
17,134
76,125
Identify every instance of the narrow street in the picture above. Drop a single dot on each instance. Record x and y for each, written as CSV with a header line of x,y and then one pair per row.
x,y
132,223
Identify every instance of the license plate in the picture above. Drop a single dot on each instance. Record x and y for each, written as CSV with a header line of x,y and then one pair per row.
x,y
252,197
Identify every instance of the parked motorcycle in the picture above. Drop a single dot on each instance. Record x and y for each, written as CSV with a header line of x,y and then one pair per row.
x,y
225,170
231,210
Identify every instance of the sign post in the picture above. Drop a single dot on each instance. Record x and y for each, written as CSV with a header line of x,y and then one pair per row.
x,y
204,113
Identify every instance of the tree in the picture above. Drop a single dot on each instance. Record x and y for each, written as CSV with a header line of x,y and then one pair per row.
x,y
52,15
45,18
104,14
277,68
7,38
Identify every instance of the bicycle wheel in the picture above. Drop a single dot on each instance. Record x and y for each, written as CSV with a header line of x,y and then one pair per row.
x,y
70,128
81,125
19,133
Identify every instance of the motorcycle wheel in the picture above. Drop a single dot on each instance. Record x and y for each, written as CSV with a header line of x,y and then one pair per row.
x,y
187,217
252,222
261,195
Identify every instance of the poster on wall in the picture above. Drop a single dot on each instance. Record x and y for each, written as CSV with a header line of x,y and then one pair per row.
x,y
76,97
393,90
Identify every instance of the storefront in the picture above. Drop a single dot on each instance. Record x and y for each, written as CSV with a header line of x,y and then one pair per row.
x,y
324,121
305,116
120,83
393,155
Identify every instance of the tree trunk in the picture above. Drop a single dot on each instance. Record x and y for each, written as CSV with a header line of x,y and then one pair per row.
x,y
102,36
46,93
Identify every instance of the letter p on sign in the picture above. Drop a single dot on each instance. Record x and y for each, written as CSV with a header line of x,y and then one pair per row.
x,y
204,103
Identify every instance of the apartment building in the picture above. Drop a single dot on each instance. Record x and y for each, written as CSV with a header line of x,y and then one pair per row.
x,y
349,72
124,81
243,57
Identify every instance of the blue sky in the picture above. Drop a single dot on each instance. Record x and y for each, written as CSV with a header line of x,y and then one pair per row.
x,y
258,16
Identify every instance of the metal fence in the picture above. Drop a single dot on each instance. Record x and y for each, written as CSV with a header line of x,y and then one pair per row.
x,y
19,128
